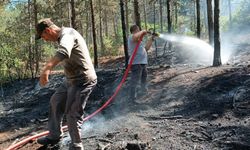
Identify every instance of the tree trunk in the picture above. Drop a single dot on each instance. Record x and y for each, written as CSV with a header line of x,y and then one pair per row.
x,y
100,25
137,14
69,14
154,18
127,14
106,18
210,22
156,50
193,23
176,15
169,16
161,22
37,53
217,57
124,33
145,14
2,91
88,17
115,27
205,19
198,27
73,14
169,22
31,54
94,35
87,28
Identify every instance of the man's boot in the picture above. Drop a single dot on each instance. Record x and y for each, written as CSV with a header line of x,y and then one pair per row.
x,y
76,146
143,91
47,141
132,94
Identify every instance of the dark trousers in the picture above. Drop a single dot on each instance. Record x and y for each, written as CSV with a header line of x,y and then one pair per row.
x,y
138,76
70,100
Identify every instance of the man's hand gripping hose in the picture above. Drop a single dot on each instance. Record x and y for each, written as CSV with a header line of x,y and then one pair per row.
x,y
151,32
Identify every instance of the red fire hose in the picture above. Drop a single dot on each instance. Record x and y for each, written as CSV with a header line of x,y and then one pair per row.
x,y
64,128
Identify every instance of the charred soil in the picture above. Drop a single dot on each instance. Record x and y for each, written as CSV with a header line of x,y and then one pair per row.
x,y
187,107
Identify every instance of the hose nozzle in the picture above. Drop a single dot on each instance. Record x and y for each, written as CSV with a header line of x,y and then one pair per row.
x,y
153,33
156,34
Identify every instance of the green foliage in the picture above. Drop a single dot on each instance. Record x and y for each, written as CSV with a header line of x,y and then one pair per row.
x,y
13,44
112,44
118,40
224,23
10,63
108,42
150,26
48,50
17,28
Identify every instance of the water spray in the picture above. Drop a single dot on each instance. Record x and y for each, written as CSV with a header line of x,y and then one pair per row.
x,y
193,48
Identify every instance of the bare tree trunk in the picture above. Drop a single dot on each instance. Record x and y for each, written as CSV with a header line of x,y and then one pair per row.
x,y
127,13
156,50
217,56
115,27
169,22
205,18
198,27
106,18
100,25
145,14
193,23
137,14
88,39
94,35
2,91
210,22
69,14
87,28
80,28
114,31
169,16
124,33
161,22
73,14
154,15
176,15
31,54
37,53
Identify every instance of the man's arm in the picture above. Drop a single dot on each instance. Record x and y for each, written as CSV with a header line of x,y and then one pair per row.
x,y
44,77
137,35
149,43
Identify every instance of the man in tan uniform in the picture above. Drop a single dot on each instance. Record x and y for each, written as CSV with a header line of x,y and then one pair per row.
x,y
71,97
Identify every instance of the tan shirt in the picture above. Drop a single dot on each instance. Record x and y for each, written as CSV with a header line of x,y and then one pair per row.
x,y
75,56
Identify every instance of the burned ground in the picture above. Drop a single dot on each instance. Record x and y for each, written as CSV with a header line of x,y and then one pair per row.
x,y
189,106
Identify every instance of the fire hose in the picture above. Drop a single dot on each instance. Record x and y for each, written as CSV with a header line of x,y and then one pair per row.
x,y
64,128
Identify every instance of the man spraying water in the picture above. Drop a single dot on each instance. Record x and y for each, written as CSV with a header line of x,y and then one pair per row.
x,y
139,69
